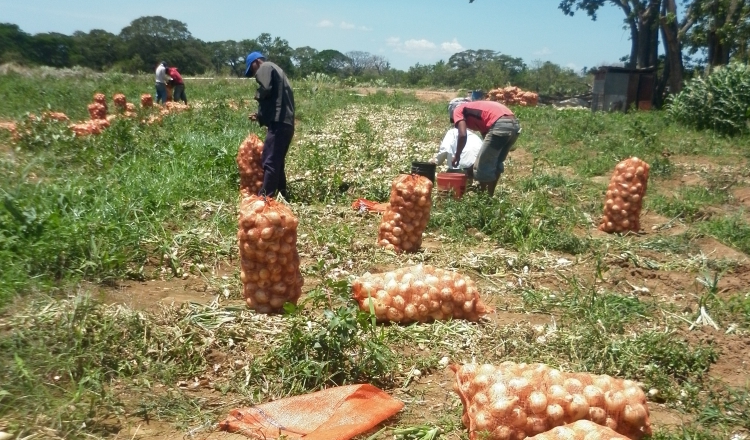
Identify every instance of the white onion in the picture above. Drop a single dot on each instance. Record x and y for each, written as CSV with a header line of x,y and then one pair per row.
x,y
537,402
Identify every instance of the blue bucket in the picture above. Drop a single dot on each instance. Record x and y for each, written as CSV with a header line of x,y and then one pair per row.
x,y
477,95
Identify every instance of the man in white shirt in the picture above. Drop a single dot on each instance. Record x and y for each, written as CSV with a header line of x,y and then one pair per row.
x,y
161,83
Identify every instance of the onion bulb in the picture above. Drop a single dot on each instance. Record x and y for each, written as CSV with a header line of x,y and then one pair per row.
x,y
537,402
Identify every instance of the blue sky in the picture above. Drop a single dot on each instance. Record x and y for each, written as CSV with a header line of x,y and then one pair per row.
x,y
405,32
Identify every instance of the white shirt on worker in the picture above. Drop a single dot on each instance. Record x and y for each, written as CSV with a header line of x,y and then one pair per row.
x,y
161,74
450,143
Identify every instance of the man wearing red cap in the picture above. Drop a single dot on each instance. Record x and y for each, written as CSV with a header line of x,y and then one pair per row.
x,y
276,112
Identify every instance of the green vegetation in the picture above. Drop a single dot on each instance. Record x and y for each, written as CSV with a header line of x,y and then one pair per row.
x,y
719,101
87,221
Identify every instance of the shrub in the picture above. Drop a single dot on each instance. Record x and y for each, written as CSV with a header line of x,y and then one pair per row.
x,y
720,101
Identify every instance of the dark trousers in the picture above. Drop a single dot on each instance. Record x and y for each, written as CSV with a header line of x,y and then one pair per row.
x,y
275,147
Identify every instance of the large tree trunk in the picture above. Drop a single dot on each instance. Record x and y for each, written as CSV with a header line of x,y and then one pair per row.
x,y
673,48
718,49
644,32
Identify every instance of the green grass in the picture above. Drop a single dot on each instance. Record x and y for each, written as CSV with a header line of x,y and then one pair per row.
x,y
82,216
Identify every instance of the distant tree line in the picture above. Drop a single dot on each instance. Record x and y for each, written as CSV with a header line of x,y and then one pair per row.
x,y
146,41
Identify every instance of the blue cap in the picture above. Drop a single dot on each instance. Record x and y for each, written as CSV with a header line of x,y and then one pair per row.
x,y
251,57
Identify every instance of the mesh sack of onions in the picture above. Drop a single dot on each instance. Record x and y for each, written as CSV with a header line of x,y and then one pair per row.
x,y
269,260
419,294
250,165
512,401
407,216
120,101
147,100
580,430
100,98
622,209
97,111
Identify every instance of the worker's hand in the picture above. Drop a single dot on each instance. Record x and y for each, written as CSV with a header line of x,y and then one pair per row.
x,y
455,162
433,161
253,117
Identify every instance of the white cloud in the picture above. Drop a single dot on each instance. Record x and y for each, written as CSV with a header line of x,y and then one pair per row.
x,y
325,23
543,51
365,28
423,48
574,67
345,25
452,46
418,45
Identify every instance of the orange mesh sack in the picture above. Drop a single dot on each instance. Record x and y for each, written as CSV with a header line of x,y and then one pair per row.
x,y
580,430
407,215
513,401
120,101
97,111
339,413
147,100
269,260
250,164
100,98
419,294
622,209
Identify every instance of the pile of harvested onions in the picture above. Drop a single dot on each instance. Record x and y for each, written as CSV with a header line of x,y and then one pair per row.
x,y
519,400
419,294
622,209
269,262
250,164
580,430
147,100
407,216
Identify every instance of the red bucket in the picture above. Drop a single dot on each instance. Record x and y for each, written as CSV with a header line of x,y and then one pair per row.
x,y
452,182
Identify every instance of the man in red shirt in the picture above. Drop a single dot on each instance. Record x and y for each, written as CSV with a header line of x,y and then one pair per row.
x,y
178,92
498,126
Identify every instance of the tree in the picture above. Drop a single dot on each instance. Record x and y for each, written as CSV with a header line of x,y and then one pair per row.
x,y
230,54
51,49
97,49
303,59
330,62
151,37
721,28
358,62
641,16
14,43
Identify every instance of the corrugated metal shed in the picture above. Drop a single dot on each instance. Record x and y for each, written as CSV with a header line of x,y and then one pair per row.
x,y
619,88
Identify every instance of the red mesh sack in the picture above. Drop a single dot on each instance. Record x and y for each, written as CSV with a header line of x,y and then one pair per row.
x,y
407,215
250,164
97,111
521,400
419,294
269,260
147,100
580,430
627,187
338,413
120,101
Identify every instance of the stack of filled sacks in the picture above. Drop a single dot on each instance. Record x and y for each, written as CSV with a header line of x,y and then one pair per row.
x,y
513,95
